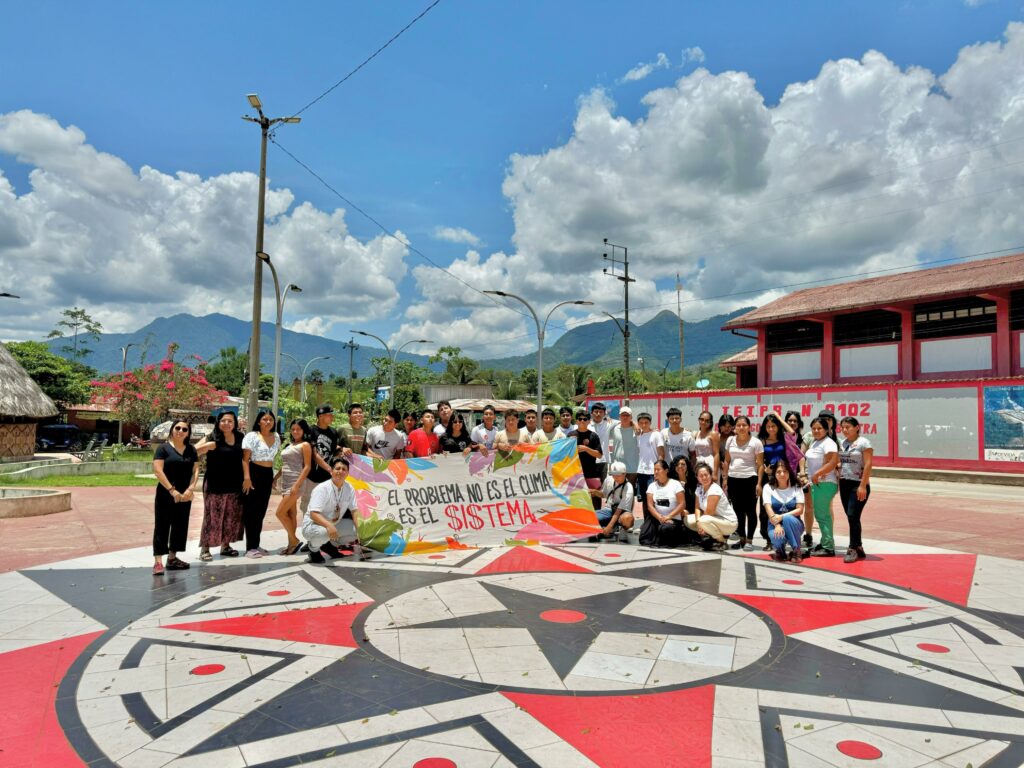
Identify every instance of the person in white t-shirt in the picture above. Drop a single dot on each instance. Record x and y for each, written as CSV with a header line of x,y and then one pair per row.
x,y
617,507
534,434
512,433
485,433
744,456
822,457
650,448
384,441
714,518
547,426
664,507
327,506
783,503
678,441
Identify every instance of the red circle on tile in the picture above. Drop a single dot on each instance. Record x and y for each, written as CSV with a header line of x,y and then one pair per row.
x,y
436,557
207,669
435,762
612,554
563,616
278,593
933,647
792,581
859,750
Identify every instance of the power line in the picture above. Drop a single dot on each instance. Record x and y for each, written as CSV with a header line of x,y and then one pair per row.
x,y
371,57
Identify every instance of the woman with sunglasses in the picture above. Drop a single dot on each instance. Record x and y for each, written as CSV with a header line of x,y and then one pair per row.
x,y
176,466
222,488
455,438
259,449
706,442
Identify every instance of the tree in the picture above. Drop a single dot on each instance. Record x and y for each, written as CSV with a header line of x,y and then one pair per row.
x,y
316,376
228,372
612,381
82,327
62,380
459,369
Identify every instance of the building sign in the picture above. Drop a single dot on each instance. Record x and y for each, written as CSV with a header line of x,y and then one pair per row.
x,y
1004,423
534,494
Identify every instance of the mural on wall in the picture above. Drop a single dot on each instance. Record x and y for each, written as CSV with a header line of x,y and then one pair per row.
x,y
1004,423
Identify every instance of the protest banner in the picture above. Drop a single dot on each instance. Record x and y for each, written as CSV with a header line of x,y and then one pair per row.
x,y
533,494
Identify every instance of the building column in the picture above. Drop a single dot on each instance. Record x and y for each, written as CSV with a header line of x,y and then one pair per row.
x,y
1004,339
906,344
762,357
827,354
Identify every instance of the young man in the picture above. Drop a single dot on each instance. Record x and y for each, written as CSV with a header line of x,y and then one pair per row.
x,y
483,435
324,441
353,437
423,442
618,496
533,432
444,415
512,433
623,442
588,447
385,441
566,422
547,425
678,441
329,503
651,448
409,423
601,425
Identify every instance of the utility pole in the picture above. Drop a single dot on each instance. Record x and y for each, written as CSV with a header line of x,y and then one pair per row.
x,y
679,314
124,370
626,280
351,346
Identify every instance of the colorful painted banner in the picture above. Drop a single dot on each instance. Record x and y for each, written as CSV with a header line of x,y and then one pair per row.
x,y
534,494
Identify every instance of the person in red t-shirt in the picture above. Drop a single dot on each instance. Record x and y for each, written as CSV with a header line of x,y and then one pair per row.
x,y
423,442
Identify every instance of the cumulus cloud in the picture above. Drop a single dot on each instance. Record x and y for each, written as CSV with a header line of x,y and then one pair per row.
x,y
863,167
317,326
696,53
456,235
132,245
642,70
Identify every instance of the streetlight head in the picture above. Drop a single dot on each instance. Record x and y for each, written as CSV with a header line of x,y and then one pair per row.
x,y
584,303
254,101
293,120
263,256
423,341
606,241
294,287
604,255
361,333
496,293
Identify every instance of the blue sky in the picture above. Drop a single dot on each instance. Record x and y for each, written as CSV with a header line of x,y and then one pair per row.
x,y
422,137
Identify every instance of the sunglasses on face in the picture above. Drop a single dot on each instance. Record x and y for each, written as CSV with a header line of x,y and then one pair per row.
x,y
582,418
181,429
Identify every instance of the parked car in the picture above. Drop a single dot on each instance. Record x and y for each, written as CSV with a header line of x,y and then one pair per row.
x,y
59,437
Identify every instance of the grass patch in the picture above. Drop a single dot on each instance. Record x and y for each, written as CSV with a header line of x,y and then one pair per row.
x,y
145,454
81,481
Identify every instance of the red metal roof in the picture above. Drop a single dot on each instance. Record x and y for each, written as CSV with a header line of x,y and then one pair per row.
x,y
1004,272
746,356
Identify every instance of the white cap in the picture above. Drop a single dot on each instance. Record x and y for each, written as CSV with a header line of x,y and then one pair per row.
x,y
617,468
625,409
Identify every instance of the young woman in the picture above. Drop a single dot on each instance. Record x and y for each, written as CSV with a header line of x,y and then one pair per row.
x,y
822,460
456,437
222,488
772,436
714,518
664,509
780,444
796,423
680,470
784,506
259,449
744,459
726,429
855,458
296,463
176,466
706,441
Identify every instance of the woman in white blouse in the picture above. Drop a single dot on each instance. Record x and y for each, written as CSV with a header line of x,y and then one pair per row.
x,y
259,449
822,460
714,517
744,457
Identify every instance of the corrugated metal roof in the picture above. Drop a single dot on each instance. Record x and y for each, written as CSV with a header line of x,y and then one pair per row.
x,y
743,357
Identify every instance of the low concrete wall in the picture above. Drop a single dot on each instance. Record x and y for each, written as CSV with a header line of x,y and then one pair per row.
x,y
14,466
27,502
85,468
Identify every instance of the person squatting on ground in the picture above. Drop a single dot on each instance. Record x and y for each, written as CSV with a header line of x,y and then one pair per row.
x,y
176,466
617,507
222,487
296,463
327,506
855,458
714,517
783,505
259,449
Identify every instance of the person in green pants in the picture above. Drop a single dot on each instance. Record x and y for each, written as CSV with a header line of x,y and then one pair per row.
x,y
822,459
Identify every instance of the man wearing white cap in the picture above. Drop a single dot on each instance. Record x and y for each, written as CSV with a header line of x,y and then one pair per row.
x,y
617,508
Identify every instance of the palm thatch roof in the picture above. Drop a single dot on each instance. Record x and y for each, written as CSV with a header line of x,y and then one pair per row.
x,y
20,397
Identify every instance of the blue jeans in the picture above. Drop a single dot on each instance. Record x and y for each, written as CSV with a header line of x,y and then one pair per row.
x,y
792,529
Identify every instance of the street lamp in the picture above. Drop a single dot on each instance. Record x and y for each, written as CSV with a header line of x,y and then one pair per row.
x,y
6,295
277,327
392,358
302,381
265,124
541,328
626,280
124,369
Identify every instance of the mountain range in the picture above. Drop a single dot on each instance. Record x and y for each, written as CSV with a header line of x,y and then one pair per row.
x,y
598,344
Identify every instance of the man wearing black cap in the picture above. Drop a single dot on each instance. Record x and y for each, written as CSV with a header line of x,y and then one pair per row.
x,y
324,440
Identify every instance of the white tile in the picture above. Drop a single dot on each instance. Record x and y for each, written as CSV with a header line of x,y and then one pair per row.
x,y
703,651
288,745
481,756
740,739
736,703
560,755
522,729
119,738
646,646
976,755
384,725
609,666
471,705
516,658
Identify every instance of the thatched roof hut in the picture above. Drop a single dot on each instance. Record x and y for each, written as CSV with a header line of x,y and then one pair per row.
x,y
22,404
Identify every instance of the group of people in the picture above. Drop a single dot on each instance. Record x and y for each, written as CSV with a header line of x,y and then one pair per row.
x,y
696,488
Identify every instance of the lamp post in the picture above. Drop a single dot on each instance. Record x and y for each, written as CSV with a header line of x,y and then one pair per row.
x,y
265,257
124,369
265,124
304,368
625,335
6,295
541,329
392,359
626,280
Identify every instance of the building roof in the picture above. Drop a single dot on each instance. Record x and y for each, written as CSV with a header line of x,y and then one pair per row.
x,y
747,356
20,397
921,285
466,404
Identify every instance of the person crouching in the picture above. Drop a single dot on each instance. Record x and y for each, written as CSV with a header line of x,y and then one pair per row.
x,y
328,504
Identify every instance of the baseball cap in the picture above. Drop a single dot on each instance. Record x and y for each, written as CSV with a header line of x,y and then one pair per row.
x,y
625,409
325,408
617,468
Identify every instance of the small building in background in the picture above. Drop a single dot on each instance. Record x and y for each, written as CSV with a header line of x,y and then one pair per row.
x,y
23,404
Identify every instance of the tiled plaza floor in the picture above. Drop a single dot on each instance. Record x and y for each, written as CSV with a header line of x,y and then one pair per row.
x,y
579,655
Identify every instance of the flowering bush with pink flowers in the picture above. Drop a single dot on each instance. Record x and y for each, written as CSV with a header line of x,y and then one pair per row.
x,y
145,395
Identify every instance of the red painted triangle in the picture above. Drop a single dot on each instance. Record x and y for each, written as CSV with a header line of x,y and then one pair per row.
x,y
587,723
527,559
327,626
947,577
799,615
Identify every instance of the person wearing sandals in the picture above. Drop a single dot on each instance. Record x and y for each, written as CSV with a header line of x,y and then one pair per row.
x,y
328,505
743,468
259,449
617,509
296,462
822,460
176,466
222,488
784,507
855,458
714,518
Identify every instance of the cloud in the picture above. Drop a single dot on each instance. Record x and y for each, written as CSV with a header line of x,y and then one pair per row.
x,y
642,70
863,167
696,53
317,326
456,235
130,245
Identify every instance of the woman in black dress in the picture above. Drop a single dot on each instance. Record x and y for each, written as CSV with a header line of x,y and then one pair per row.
x,y
176,466
456,437
222,487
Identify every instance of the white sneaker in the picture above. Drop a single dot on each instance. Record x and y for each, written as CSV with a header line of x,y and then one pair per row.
x,y
254,553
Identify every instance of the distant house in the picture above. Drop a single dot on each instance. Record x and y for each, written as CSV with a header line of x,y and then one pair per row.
x,y
22,406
